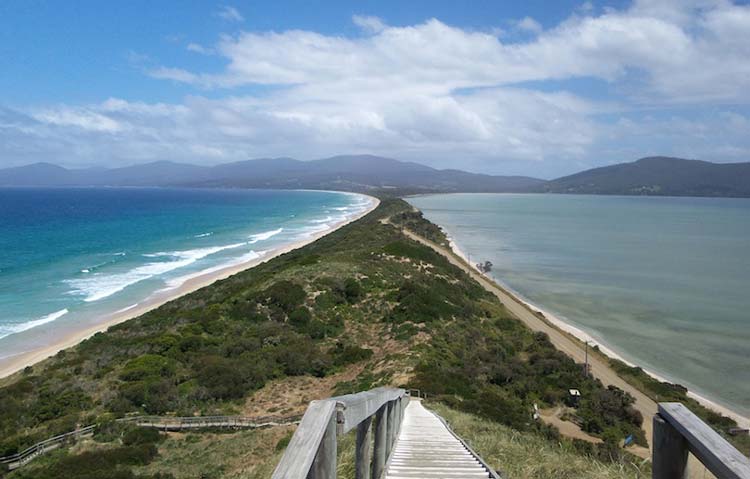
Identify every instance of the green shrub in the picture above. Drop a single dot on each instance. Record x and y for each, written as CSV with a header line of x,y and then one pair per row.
x,y
51,404
223,378
142,435
420,303
148,365
352,290
191,343
155,396
308,259
346,353
284,295
283,442
102,464
413,251
300,318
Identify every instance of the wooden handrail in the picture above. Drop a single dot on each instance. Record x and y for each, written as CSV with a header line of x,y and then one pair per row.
x,y
311,454
678,431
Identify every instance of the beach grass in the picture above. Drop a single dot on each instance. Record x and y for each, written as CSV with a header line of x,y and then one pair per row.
x,y
530,456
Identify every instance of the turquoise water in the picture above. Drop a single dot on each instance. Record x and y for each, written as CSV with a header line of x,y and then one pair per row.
x,y
665,282
69,257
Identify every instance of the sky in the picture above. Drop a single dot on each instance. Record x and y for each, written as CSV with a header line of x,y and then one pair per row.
x,y
534,88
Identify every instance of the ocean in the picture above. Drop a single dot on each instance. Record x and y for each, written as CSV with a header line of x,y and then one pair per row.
x,y
69,257
663,282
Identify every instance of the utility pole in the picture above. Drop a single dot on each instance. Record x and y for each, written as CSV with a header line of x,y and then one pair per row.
x,y
586,364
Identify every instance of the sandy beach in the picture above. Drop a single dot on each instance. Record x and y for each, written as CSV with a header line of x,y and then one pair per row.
x,y
603,348
18,362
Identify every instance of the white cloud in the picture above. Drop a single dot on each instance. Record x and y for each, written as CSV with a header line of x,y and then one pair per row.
x,y
230,14
530,25
82,118
197,48
440,94
369,24
176,74
675,53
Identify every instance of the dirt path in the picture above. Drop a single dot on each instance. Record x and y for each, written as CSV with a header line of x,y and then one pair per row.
x,y
564,342
566,428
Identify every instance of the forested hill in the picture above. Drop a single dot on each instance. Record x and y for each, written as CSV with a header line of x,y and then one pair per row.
x,y
661,176
362,307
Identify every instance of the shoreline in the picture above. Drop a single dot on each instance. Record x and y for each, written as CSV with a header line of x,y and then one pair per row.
x,y
22,360
603,348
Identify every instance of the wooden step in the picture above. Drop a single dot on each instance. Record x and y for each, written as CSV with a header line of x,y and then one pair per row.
x,y
427,449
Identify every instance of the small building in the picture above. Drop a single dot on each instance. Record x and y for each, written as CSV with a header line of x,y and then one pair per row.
x,y
574,397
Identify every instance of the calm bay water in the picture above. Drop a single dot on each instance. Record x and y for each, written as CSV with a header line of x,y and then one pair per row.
x,y
70,256
665,282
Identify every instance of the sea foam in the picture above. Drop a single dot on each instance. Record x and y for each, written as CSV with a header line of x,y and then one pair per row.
x,y
17,328
177,282
264,236
99,286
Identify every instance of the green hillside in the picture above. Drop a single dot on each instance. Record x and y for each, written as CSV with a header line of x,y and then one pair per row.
x,y
362,307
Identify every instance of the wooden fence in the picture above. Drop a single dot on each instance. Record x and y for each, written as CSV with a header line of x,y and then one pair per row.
x,y
169,423
311,453
677,431
17,460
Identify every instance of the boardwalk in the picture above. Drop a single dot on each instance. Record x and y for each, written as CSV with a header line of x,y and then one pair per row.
x,y
426,448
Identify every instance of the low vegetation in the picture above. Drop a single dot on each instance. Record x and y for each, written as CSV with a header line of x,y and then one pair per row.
x,y
525,456
667,392
113,453
213,455
365,304
414,221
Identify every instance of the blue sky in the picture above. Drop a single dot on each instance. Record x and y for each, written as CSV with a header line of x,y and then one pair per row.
x,y
536,88
88,51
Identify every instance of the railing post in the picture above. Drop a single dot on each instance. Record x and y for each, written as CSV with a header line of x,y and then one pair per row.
x,y
398,419
381,431
391,424
324,465
670,451
364,445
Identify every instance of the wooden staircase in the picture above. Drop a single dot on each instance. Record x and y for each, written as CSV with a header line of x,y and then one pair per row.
x,y
427,449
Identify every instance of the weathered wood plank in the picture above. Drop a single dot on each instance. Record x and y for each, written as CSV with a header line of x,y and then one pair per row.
x,y
300,454
381,426
324,464
355,408
670,451
345,413
719,457
364,449
390,433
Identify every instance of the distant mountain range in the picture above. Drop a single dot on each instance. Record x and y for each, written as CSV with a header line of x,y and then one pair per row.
x,y
350,173
648,176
